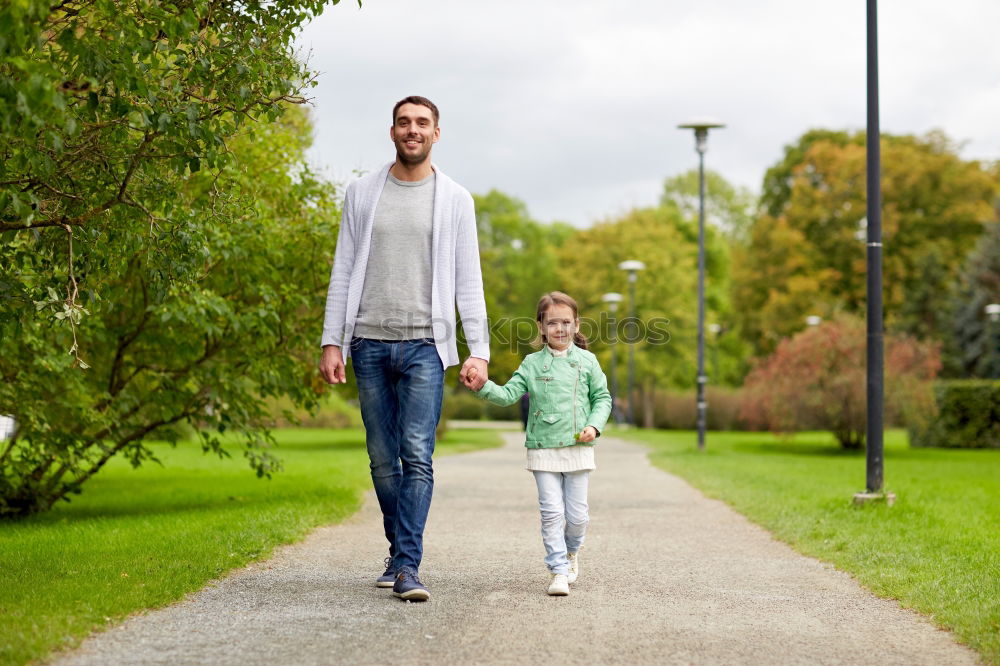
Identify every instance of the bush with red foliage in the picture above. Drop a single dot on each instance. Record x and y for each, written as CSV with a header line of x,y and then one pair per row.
x,y
816,380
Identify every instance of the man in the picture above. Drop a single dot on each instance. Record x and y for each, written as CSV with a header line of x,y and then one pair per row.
x,y
406,255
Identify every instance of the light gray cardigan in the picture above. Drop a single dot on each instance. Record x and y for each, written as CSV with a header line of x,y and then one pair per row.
x,y
456,276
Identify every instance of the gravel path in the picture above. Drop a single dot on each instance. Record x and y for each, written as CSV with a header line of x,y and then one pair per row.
x,y
668,577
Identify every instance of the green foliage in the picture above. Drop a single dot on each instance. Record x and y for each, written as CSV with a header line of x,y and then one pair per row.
x,y
144,538
974,340
158,222
805,254
728,207
101,103
925,310
331,411
967,416
936,550
816,380
464,405
666,302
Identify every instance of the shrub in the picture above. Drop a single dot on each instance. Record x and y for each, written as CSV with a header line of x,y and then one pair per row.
x,y
498,413
673,410
462,405
966,415
332,411
816,380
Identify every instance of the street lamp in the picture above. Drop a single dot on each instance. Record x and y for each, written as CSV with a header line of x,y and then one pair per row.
x,y
613,299
632,267
875,357
7,426
701,126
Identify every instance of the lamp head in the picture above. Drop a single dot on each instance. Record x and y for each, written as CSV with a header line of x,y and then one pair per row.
x,y
632,265
701,125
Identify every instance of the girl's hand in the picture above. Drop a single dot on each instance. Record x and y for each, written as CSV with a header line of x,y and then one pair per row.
x,y
588,435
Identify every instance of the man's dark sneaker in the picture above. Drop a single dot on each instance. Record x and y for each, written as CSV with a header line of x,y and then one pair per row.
x,y
408,587
388,579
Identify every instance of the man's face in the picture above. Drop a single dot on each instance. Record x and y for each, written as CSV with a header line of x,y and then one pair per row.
x,y
414,132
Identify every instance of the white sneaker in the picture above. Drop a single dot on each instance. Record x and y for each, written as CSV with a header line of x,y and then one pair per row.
x,y
574,567
559,586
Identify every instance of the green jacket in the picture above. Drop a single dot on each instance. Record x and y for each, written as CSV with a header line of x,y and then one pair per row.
x,y
567,394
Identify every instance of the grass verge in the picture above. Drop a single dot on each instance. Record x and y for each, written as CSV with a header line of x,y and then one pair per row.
x,y
139,539
936,551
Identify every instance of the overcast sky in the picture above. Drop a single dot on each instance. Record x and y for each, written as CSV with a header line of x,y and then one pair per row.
x,y
572,105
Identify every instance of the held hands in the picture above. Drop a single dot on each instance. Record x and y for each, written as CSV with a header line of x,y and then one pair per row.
x,y
331,365
473,374
588,435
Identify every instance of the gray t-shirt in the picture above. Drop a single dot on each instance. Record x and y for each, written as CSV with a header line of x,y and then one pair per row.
x,y
396,297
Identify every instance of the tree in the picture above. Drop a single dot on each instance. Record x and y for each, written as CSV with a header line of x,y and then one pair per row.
x,y
815,380
727,207
935,206
974,343
665,333
775,283
159,223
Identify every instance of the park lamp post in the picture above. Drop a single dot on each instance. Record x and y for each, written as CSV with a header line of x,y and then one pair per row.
x,y
632,267
701,126
875,371
613,299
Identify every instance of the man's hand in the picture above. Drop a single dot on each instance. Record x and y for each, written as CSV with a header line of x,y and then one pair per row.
x,y
473,373
331,366
588,435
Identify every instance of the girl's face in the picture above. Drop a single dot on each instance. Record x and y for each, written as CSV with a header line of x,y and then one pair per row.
x,y
559,325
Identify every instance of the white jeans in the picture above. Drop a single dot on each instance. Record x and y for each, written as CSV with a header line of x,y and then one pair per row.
x,y
562,500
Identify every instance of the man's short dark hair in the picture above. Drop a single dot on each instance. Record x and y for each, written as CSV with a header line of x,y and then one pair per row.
x,y
421,101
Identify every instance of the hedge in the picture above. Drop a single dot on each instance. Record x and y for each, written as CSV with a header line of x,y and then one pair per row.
x,y
968,416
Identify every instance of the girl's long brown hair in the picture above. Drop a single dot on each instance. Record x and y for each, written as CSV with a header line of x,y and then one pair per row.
x,y
558,298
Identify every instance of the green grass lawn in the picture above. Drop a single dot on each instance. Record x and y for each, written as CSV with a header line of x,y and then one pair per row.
x,y
138,539
937,550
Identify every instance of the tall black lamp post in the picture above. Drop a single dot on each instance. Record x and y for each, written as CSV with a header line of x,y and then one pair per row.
x,y
613,299
701,127
632,267
874,457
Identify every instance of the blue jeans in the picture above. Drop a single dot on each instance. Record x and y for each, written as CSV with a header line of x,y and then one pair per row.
x,y
400,387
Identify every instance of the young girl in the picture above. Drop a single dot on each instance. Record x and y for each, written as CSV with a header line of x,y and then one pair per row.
x,y
570,404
